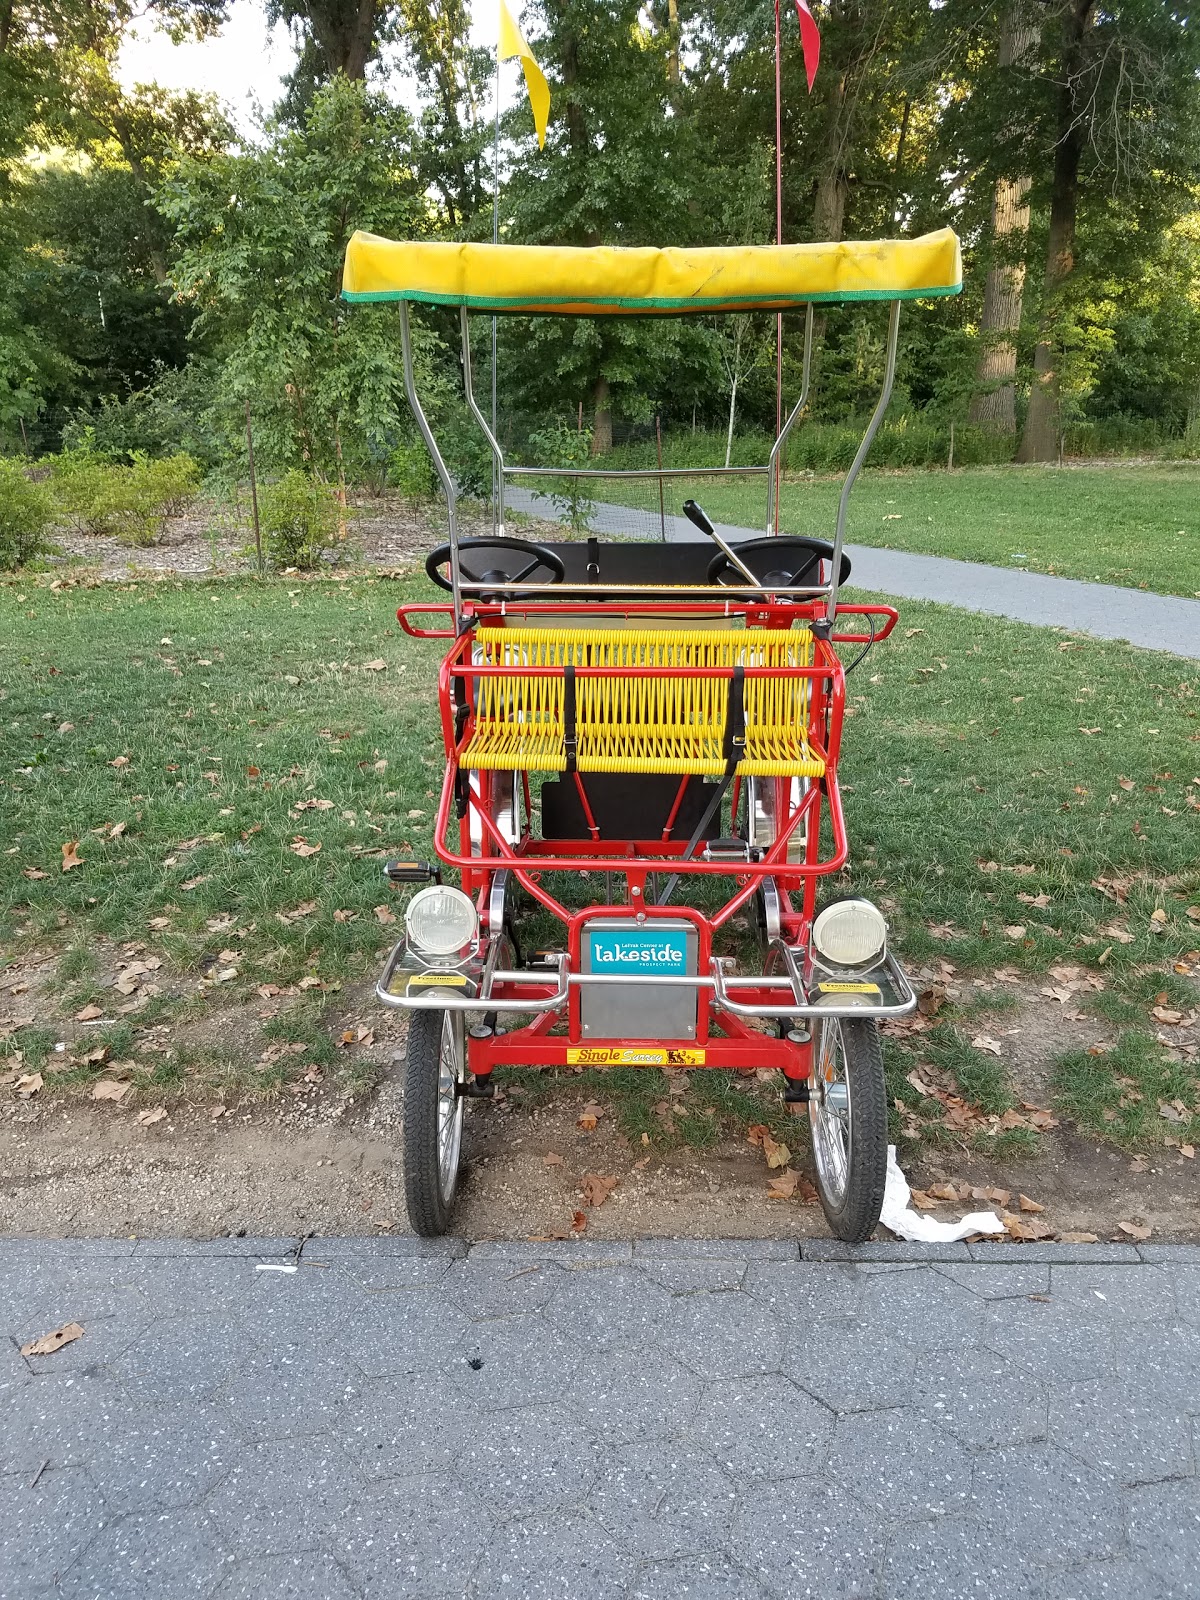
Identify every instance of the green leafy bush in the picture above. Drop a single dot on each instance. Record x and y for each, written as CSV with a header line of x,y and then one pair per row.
x,y
410,469
131,503
26,511
301,520
560,445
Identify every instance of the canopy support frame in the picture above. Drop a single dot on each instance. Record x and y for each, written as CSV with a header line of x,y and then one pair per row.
x,y
829,590
439,466
860,455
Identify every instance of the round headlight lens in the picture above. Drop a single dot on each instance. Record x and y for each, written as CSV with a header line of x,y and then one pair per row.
x,y
850,933
440,920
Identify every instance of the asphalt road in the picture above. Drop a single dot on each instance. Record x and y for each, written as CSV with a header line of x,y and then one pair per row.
x,y
717,1420
1150,621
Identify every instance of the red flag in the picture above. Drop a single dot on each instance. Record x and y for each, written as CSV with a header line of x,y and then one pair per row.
x,y
810,40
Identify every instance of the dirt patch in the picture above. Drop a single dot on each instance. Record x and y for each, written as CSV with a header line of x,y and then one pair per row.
x,y
322,1152
392,531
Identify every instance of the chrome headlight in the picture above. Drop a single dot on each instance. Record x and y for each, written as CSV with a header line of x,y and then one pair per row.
x,y
441,920
850,933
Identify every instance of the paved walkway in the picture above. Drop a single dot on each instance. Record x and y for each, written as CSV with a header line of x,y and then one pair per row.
x,y
721,1421
1151,621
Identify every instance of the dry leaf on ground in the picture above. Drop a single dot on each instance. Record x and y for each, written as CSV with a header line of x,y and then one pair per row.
x,y
1020,1229
109,1089
984,1041
88,1014
1136,1230
301,847
777,1154
552,1159
385,915
69,857
50,1342
147,1118
579,1221
1026,1204
1077,1236
596,1188
378,665
589,1116
29,1085
789,1185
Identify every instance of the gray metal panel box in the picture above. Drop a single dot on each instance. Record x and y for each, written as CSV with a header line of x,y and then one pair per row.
x,y
640,1009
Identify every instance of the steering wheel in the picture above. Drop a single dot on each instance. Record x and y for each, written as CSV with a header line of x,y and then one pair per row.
x,y
501,576
783,561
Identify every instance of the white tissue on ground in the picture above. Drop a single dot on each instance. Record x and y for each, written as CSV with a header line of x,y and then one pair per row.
x,y
899,1217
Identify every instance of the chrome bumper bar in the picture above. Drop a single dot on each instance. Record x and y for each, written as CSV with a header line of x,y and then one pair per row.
x,y
440,996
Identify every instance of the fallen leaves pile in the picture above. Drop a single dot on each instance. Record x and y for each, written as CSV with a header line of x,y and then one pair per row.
x,y
788,1184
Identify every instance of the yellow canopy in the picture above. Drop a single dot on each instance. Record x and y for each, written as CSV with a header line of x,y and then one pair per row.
x,y
564,281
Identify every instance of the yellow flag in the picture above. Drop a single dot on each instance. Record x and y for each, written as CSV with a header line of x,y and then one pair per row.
x,y
512,43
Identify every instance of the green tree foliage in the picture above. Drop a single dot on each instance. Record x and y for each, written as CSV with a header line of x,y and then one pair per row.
x,y
616,170
218,262
261,234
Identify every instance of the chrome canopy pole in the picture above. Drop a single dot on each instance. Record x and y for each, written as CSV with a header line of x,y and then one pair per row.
x,y
497,453
889,376
439,466
776,448
497,466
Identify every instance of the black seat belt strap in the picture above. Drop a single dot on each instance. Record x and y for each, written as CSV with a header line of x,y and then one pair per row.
x,y
735,721
569,740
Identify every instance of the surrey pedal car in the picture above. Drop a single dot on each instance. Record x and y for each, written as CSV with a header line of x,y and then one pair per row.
x,y
659,721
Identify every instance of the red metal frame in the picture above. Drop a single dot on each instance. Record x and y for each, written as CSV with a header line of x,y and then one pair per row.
x,y
722,1038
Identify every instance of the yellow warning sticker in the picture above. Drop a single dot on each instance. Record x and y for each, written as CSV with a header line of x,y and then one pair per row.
x,y
646,1055
437,980
849,988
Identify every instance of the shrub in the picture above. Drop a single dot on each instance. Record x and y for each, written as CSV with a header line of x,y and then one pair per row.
x,y
560,445
301,520
131,503
410,469
26,511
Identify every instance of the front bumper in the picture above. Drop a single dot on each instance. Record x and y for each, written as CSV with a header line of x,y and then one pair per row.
x,y
409,985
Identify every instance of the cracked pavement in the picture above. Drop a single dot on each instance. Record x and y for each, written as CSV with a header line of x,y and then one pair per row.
x,y
716,1420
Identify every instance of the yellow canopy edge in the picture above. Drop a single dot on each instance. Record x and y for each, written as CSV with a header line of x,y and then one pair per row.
x,y
605,281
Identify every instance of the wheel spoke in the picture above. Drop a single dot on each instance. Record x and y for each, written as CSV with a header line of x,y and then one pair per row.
x,y
519,577
451,1072
831,1114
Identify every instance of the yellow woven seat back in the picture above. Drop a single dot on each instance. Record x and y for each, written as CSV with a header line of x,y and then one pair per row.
x,y
673,723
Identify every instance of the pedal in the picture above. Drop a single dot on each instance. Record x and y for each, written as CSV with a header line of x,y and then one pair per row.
x,y
730,850
411,872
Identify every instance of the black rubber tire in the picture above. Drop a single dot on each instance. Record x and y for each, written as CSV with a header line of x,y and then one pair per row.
x,y
429,1209
853,1217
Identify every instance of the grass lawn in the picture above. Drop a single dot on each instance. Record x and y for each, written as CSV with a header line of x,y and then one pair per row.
x,y
234,762
1127,525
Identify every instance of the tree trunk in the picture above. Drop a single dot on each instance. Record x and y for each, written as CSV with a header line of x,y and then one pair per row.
x,y
732,410
829,206
602,428
673,45
6,16
345,37
1039,441
995,404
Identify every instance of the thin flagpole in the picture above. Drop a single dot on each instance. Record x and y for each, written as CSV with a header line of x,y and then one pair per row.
x,y
495,240
778,240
